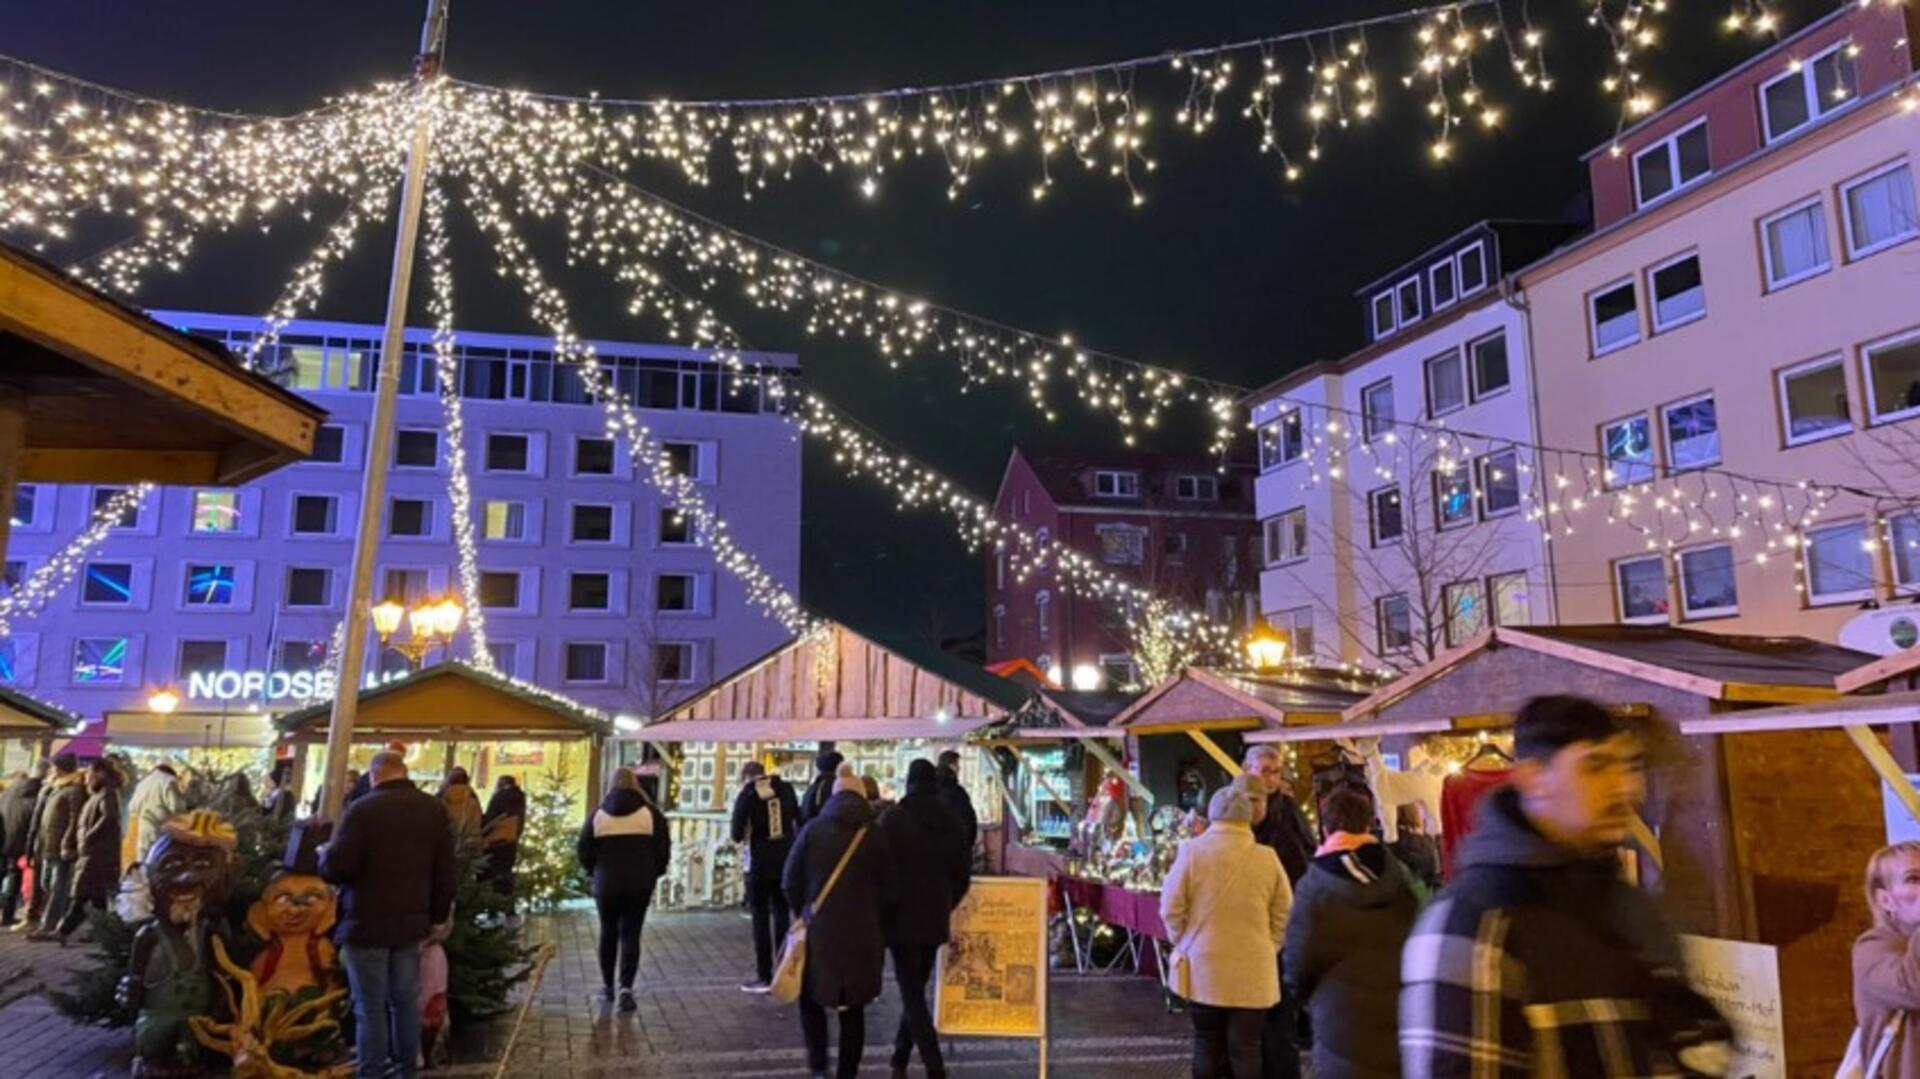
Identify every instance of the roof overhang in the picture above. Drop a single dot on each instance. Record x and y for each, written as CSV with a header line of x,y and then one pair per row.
x,y
878,729
423,705
1201,698
1876,711
22,716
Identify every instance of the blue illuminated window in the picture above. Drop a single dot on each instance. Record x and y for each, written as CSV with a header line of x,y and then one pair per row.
x,y
108,583
99,659
9,663
210,586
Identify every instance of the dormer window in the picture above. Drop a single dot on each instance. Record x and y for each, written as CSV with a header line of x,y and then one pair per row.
x,y
1671,164
1407,300
1473,269
1809,90
1116,484
1383,320
1442,287
1197,488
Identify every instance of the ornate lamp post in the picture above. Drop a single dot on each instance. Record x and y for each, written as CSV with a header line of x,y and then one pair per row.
x,y
432,626
1265,651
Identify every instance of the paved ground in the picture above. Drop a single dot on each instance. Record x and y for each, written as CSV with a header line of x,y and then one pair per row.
x,y
692,1020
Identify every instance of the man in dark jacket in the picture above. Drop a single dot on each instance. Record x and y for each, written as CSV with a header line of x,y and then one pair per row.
x,y
625,845
1284,828
500,829
957,800
1538,956
393,858
766,816
846,948
16,820
933,867
1351,914
57,844
825,766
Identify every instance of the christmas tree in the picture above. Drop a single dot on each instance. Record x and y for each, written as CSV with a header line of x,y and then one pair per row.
x,y
484,956
548,872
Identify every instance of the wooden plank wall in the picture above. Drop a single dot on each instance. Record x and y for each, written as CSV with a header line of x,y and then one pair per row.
x,y
854,679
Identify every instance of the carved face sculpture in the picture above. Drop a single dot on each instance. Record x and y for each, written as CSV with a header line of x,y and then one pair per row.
x,y
293,904
190,867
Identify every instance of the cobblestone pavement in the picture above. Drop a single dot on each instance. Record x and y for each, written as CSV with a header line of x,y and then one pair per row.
x,y
693,1020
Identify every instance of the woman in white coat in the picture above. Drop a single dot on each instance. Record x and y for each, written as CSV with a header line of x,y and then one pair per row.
x,y
1225,904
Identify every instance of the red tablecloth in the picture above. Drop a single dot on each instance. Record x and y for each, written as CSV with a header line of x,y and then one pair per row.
x,y
1114,904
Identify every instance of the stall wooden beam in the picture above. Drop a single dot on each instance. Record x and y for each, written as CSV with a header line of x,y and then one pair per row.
x,y
992,770
1042,780
1644,836
1213,750
1105,756
1886,767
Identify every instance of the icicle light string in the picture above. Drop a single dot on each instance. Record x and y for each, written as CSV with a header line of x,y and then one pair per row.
x,y
46,581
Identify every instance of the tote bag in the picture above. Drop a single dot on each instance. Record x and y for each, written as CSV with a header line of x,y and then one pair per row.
x,y
1857,1064
1178,975
790,975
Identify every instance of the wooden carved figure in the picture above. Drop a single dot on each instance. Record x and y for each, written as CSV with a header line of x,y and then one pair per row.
x,y
293,916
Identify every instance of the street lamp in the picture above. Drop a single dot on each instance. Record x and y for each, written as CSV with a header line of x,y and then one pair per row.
x,y
1266,651
163,701
1087,677
433,625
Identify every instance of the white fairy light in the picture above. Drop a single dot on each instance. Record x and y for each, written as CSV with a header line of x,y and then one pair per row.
x,y
31,595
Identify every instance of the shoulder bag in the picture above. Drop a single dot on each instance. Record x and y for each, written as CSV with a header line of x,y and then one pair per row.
x,y
789,976
1178,975
1857,1064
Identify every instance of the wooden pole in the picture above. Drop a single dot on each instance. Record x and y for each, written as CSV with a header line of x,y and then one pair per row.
x,y
1886,767
373,489
1105,756
1213,750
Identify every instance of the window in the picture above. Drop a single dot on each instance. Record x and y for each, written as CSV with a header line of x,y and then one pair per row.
x,y
1376,410
1640,587
201,657
11,661
1452,497
504,521
999,625
316,515
1616,317
1839,563
1490,374
1042,612
589,592
1807,92
1407,301
416,449
1670,164
129,512
1794,242
407,587
1706,583
1499,483
586,661
1903,532
675,527
1384,511
1282,440
1893,378
673,592
1197,488
301,656
499,589
1441,284
107,584
1116,484
216,512
1122,545
1174,546
329,444
1679,297
1627,445
410,517
1383,314
509,453
1394,615
309,586
1473,269
13,572
592,523
1466,611
683,458
1119,668
1286,536
1693,433
26,498
505,655
673,661
1878,210
1509,603
1295,626
99,660
593,456
1813,400
1446,384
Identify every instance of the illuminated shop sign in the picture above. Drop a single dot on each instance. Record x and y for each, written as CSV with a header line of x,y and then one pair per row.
x,y
259,685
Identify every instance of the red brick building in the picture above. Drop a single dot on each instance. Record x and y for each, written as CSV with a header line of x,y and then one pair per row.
x,y
1175,525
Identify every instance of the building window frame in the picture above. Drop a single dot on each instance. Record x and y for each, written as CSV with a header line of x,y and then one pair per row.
x,y
1496,583
1446,483
1594,297
1624,472
1661,325
1384,329
1282,440
1863,532
529,441
327,580
1383,621
1446,270
1476,389
1375,425
1726,610
1375,533
439,454
1670,145
1661,616
1455,631
1478,250
1817,110
1436,363
1912,229
605,676
1773,278
1197,488
1483,468
1787,374
334,515
1669,442
1116,483
1286,537
1875,417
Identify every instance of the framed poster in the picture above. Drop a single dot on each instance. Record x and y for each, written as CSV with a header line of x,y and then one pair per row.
x,y
992,977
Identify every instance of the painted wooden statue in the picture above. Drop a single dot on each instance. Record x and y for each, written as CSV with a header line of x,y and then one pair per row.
x,y
189,874
293,916
264,1021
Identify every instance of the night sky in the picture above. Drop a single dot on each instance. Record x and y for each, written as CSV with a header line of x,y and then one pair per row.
x,y
1227,271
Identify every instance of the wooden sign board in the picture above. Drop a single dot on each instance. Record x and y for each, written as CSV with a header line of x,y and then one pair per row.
x,y
992,976
1743,981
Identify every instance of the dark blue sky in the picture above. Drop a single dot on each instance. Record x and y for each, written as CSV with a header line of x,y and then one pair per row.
x,y
1227,271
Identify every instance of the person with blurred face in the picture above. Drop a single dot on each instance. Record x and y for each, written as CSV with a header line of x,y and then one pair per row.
x,y
1539,956
1886,965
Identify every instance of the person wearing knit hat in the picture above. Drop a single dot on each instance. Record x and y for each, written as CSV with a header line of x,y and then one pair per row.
x,y
825,767
1225,904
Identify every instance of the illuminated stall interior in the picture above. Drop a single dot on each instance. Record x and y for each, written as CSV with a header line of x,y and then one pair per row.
x,y
27,729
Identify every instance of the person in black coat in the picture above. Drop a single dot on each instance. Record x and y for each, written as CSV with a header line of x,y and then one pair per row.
x,y
16,819
625,846
393,858
826,768
845,946
957,800
96,873
766,816
933,866
500,829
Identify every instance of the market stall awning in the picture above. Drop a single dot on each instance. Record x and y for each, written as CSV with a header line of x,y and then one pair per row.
x,y
453,701
839,685
22,716
1202,698
1902,664
113,396
1874,711
1373,728
1720,667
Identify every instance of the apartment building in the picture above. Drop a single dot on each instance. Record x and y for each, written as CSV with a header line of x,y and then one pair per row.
x,y
1179,527
1749,301
1393,482
589,585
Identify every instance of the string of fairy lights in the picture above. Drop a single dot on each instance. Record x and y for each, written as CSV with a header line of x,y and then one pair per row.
x,y
48,579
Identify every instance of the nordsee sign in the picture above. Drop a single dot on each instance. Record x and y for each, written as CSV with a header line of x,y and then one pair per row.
x,y
259,685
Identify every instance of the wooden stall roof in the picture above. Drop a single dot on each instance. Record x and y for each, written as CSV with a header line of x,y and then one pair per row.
x,y
900,689
1201,698
1873,711
22,716
1881,669
1718,666
179,409
453,700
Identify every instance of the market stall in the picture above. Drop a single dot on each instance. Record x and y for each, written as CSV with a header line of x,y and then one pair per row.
x,y
27,729
1729,841
878,704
